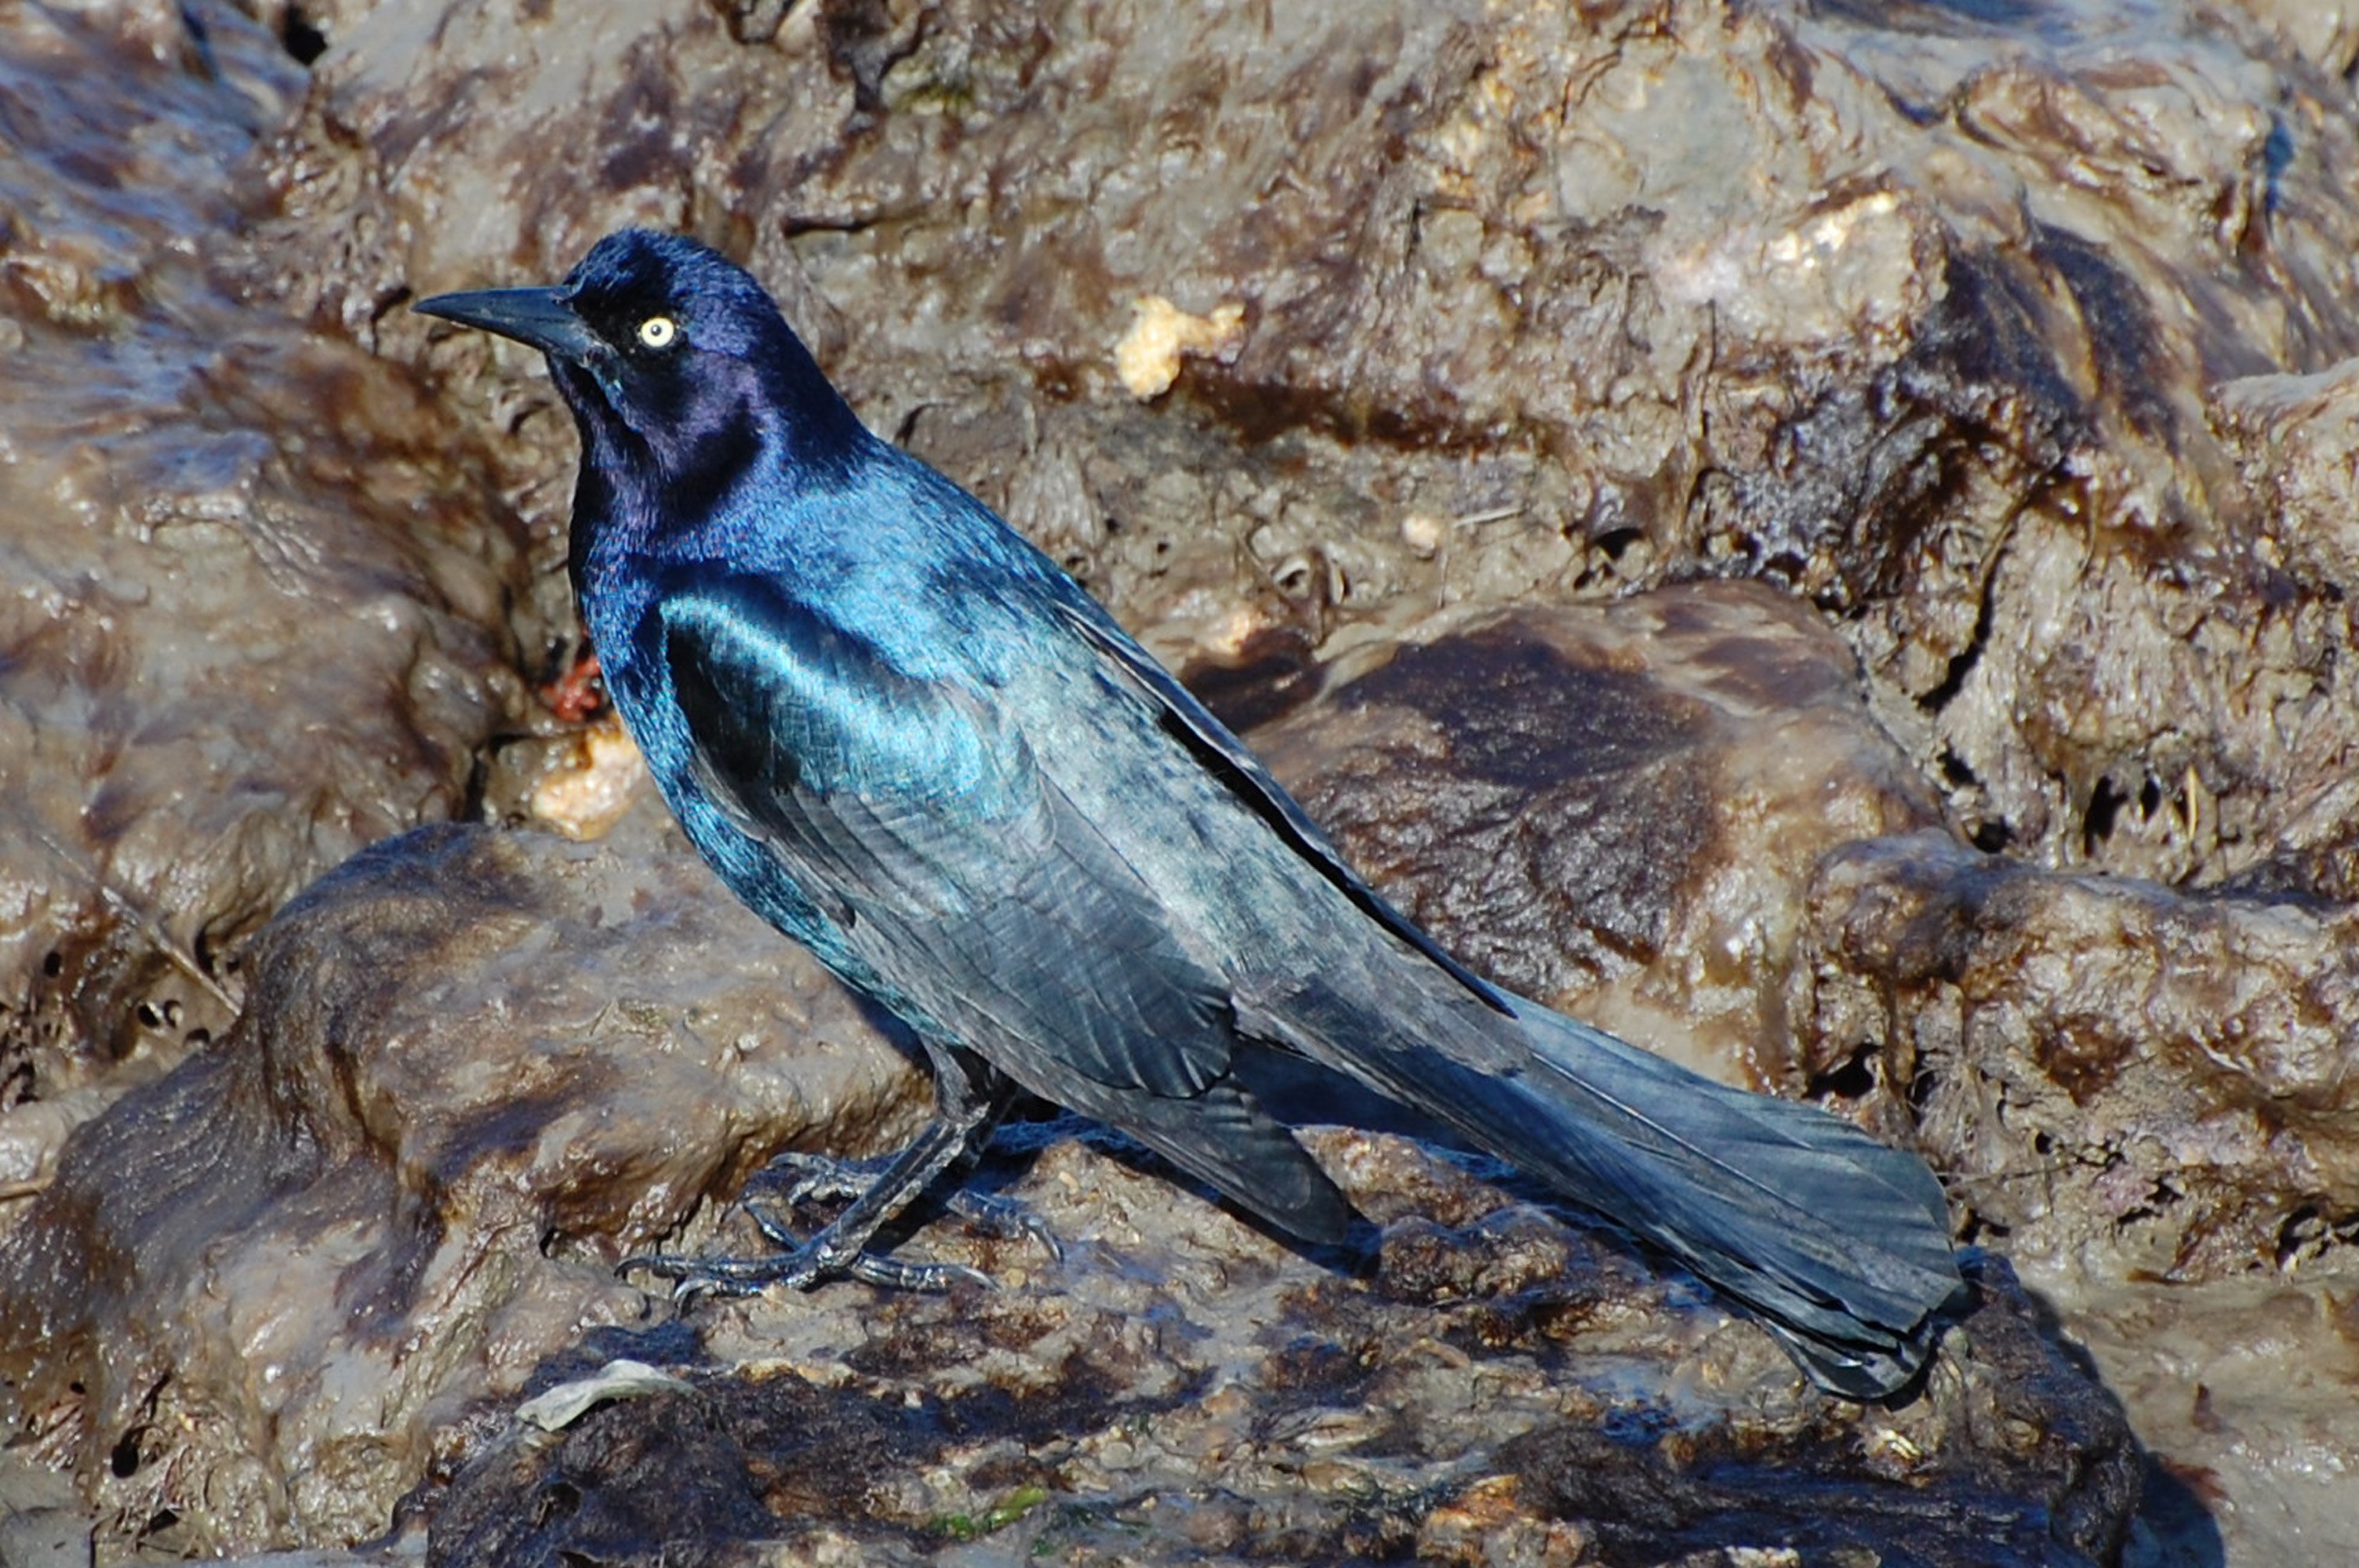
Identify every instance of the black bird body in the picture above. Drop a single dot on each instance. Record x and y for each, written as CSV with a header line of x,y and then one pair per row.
x,y
912,743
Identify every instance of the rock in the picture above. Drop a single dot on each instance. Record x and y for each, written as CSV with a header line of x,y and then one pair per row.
x,y
2026,1425
1936,321
2127,1080
476,1068
259,600
42,1524
1613,807
439,1116
2241,1385
1184,1387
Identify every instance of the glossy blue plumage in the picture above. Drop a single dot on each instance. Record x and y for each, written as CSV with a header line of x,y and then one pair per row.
x,y
912,743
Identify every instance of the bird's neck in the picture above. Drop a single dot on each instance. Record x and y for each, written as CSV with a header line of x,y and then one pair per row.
x,y
781,431
807,423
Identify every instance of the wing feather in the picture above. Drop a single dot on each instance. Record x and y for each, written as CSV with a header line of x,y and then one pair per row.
x,y
1225,757
916,817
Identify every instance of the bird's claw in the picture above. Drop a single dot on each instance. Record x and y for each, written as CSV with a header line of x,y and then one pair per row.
x,y
821,1178
801,1264
1004,1219
723,1279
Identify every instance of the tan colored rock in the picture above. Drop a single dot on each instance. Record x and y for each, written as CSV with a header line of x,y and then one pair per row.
x,y
2122,1078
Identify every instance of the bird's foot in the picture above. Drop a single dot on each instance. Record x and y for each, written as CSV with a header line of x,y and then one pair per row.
x,y
803,1178
802,1265
835,1252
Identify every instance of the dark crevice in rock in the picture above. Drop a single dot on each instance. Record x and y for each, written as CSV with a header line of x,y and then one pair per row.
x,y
304,42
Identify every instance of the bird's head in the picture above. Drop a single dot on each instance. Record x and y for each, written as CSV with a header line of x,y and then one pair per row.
x,y
676,364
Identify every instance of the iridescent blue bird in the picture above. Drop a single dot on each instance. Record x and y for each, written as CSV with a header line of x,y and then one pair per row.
x,y
916,746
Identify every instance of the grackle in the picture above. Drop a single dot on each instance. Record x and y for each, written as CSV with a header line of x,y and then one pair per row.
x,y
916,746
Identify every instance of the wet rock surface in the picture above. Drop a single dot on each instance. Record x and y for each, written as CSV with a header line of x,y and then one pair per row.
x,y
1187,1389
2180,1061
2145,1098
2005,351
476,1068
258,607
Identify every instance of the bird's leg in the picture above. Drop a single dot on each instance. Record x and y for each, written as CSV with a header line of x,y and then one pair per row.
x,y
837,1249
840,1248
824,1177
969,1097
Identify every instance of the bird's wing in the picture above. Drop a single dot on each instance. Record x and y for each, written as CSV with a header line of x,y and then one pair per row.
x,y
915,816
1132,669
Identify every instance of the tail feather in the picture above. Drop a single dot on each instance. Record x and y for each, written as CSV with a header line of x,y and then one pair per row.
x,y
1840,1243
1224,1137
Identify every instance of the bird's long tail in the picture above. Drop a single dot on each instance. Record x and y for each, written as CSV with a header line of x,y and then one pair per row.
x,y
1841,1244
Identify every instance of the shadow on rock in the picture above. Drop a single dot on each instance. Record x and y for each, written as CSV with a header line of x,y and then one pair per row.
x,y
1492,1385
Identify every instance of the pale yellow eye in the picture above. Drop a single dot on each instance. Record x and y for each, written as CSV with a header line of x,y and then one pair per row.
x,y
657,331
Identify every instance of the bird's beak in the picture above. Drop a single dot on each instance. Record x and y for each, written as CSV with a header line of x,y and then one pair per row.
x,y
543,318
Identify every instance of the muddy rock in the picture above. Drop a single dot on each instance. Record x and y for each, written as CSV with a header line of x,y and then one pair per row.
x,y
1184,1389
2145,1098
476,1068
256,615
2140,1081
1613,807
1936,318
